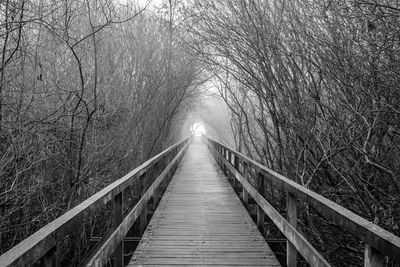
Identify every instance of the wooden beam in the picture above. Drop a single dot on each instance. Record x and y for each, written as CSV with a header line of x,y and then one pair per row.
x,y
245,197
299,241
33,248
51,258
236,166
155,198
368,232
372,257
106,249
201,222
260,212
291,208
119,251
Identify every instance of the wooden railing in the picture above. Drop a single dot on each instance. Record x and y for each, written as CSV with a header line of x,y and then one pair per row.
x,y
379,243
43,246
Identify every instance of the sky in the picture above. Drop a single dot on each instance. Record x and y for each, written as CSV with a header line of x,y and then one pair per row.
x,y
198,128
143,3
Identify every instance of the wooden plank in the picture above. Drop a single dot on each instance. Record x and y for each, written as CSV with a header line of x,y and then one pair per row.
x,y
291,252
300,242
106,249
31,249
373,235
200,221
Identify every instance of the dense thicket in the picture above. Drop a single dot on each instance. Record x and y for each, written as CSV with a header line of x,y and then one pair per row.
x,y
313,86
88,90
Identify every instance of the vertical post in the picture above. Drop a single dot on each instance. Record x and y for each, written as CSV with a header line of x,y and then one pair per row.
x,y
143,214
216,146
155,198
119,251
236,165
260,212
245,195
373,258
291,206
158,166
236,162
143,220
163,182
222,162
230,162
51,258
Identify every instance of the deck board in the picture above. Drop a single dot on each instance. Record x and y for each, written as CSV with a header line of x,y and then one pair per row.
x,y
201,221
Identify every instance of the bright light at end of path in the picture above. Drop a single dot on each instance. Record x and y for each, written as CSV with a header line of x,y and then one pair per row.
x,y
198,129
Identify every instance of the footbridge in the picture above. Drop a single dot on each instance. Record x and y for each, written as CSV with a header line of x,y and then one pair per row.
x,y
201,203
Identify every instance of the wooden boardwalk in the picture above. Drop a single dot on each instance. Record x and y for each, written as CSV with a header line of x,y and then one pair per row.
x,y
201,221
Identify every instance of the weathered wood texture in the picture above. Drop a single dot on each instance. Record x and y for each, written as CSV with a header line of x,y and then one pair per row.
x,y
114,240
43,244
311,255
201,221
379,242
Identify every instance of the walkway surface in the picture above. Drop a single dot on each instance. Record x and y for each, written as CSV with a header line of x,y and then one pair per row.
x,y
201,221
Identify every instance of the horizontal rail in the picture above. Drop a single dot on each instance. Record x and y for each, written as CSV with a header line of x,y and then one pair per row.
x,y
101,256
300,242
33,248
382,241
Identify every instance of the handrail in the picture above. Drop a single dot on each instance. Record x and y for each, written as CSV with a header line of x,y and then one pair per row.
x,y
379,242
108,247
43,243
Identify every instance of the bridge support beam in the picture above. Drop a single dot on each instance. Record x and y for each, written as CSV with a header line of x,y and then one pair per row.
x,y
291,206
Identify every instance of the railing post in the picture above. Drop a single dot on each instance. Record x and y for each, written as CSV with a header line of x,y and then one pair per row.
x,y
51,258
143,214
164,183
143,220
155,198
236,165
119,251
218,149
225,157
158,166
245,194
222,162
260,212
291,206
230,162
373,258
